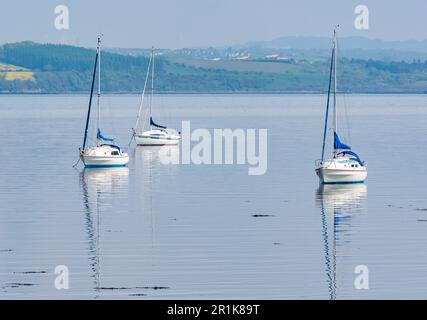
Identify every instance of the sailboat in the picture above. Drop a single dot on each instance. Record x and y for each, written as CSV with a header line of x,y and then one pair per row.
x,y
104,153
158,135
345,166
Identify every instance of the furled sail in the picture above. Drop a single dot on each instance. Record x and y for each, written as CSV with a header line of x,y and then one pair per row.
x,y
152,123
100,136
338,144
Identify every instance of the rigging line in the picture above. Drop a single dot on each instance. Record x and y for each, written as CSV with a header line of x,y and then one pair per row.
x,y
327,104
132,138
144,119
325,76
343,94
75,165
347,119
90,98
98,121
90,140
152,87
143,94
335,82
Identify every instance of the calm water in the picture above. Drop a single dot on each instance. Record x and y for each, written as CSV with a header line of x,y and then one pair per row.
x,y
188,231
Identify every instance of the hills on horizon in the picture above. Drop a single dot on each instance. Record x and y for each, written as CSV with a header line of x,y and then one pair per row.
x,y
253,67
307,47
351,42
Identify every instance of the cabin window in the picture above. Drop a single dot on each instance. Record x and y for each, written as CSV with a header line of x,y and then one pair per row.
x,y
114,153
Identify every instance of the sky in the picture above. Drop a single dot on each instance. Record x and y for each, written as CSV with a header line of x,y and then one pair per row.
x,y
199,23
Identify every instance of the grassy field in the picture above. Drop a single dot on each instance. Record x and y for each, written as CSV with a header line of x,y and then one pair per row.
x,y
275,68
243,66
11,72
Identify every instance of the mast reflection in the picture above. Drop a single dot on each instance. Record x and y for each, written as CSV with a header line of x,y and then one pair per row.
x,y
98,186
338,204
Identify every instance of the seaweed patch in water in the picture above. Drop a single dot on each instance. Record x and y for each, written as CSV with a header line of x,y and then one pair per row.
x,y
262,215
421,209
130,288
30,272
18,285
113,288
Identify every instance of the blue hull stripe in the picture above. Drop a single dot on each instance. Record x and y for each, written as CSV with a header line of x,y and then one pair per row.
x,y
344,182
104,165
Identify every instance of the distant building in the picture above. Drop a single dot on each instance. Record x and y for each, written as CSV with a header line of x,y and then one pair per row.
x,y
276,57
243,58
272,56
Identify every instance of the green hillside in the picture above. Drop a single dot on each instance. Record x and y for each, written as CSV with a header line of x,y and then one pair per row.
x,y
51,68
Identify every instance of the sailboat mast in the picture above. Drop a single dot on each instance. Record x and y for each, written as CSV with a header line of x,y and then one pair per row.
x,y
99,88
90,100
143,94
327,103
335,82
152,84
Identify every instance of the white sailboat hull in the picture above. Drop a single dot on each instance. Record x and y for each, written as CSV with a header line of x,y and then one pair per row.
x,y
341,170
104,156
103,161
341,175
146,141
156,138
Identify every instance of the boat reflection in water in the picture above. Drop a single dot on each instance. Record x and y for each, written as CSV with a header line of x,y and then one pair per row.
x,y
151,173
156,180
339,204
106,180
151,156
98,186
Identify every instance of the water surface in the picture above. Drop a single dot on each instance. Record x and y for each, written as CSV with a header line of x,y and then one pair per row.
x,y
187,231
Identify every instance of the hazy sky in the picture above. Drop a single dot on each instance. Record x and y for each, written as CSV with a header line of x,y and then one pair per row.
x,y
184,23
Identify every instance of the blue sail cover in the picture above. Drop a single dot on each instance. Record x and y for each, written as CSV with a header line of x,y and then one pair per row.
x,y
100,136
354,154
338,144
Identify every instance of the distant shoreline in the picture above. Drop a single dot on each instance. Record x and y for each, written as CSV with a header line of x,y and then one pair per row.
x,y
32,68
214,93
